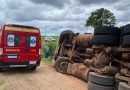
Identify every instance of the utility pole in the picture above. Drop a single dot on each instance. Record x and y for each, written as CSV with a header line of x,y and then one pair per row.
x,y
45,30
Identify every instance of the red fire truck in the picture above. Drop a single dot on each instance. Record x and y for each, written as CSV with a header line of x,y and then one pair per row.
x,y
20,46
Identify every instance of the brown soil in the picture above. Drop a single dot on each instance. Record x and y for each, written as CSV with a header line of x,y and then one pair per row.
x,y
44,78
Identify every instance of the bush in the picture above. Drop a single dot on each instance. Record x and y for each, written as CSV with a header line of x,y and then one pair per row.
x,y
52,47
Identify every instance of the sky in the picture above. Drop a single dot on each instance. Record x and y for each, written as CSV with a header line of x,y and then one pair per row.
x,y
55,16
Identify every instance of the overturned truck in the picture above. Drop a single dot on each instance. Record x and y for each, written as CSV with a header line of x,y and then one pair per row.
x,y
102,59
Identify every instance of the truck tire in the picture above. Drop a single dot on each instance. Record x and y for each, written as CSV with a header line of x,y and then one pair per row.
x,y
106,39
61,65
101,79
126,41
126,29
107,30
93,86
33,68
123,86
3,69
68,34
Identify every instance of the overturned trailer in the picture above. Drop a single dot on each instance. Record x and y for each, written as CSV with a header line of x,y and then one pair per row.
x,y
102,58
73,49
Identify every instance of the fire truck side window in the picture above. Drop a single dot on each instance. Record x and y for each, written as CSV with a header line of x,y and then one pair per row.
x,y
30,41
27,41
13,40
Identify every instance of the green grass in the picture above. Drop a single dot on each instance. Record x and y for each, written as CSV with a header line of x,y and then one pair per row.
x,y
52,50
47,60
1,81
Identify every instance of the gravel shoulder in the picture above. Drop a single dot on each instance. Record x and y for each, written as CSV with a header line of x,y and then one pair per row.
x,y
44,78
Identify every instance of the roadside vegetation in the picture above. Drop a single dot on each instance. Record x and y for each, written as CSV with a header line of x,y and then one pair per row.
x,y
47,55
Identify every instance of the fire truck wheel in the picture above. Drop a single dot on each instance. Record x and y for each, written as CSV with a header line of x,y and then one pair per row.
x,y
67,34
2,69
106,39
105,30
126,41
123,86
126,29
33,68
101,79
93,86
61,65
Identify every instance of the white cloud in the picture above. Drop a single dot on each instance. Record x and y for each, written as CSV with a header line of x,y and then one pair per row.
x,y
58,15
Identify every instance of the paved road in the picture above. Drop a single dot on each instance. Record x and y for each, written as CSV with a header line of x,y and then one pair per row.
x,y
44,78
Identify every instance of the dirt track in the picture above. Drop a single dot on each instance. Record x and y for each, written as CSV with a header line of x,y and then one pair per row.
x,y
44,78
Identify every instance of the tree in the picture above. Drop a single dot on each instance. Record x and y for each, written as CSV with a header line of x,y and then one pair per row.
x,y
101,17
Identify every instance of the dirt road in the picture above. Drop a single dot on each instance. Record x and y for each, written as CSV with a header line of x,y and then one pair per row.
x,y
44,78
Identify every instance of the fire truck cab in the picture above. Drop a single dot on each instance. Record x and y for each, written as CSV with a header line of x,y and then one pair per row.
x,y
20,46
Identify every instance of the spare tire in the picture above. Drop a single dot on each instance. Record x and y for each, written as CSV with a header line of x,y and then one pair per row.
x,y
107,30
106,39
123,86
93,86
126,41
61,64
126,29
67,34
101,79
